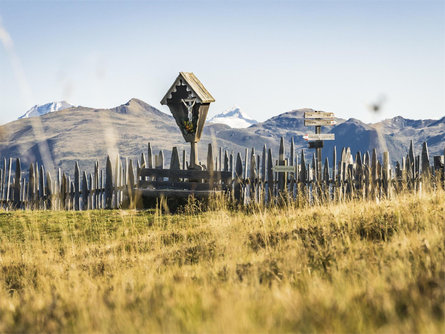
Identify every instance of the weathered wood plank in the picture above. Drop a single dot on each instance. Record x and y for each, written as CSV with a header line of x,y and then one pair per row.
x,y
386,168
58,188
90,192
101,191
374,171
220,159
63,192
36,170
253,176
270,176
366,175
8,181
438,162
181,185
319,122
210,159
367,159
85,192
175,193
186,174
238,178
71,194
76,187
183,160
258,164
282,177
108,184
31,187
4,181
49,191
18,176
42,187
318,114
174,163
319,136
161,159
303,171
263,164
117,178
130,181
326,171
143,161
23,194
138,170
359,174
246,155
334,164
426,173
149,157
314,168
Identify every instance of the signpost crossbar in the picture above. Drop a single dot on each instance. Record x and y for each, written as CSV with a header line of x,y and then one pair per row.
x,y
318,114
319,122
284,169
319,136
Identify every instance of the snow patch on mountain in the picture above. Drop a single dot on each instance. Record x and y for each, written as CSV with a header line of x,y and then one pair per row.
x,y
233,117
39,110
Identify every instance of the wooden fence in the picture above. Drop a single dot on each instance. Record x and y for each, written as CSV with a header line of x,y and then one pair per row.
x,y
253,179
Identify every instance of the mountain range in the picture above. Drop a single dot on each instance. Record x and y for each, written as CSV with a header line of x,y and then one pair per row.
x,y
58,139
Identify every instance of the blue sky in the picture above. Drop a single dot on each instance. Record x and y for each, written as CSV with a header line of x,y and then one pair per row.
x,y
266,57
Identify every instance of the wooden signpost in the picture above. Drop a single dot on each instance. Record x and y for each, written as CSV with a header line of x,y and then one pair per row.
x,y
318,119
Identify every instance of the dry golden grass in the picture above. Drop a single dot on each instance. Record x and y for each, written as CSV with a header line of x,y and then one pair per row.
x,y
353,267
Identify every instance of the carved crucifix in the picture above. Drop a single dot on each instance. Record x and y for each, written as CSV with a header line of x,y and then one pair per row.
x,y
189,103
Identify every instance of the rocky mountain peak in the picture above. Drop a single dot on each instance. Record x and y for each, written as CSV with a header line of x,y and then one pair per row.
x,y
39,110
234,117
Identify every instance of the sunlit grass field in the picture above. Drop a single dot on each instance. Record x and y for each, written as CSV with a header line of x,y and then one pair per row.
x,y
352,267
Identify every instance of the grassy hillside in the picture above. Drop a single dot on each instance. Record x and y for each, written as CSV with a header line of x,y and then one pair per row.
x,y
355,267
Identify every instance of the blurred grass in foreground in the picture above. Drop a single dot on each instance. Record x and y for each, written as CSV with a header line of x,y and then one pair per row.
x,y
353,267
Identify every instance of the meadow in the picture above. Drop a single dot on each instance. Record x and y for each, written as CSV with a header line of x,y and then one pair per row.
x,y
351,267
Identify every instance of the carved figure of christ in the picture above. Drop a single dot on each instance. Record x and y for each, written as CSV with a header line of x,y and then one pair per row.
x,y
189,103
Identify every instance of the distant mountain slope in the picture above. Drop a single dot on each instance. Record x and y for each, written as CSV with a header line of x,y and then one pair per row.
x,y
234,117
39,110
358,136
400,130
87,134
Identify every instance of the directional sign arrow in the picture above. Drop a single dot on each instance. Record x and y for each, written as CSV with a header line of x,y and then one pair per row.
x,y
317,122
318,114
319,136
284,169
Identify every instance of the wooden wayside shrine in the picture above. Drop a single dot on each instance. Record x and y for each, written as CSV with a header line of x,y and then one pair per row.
x,y
189,102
